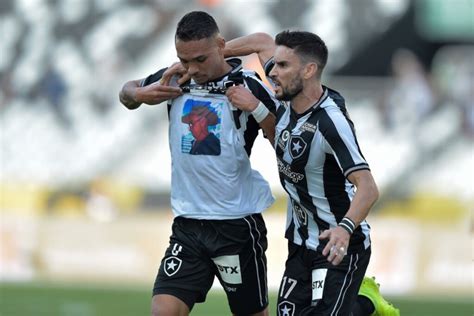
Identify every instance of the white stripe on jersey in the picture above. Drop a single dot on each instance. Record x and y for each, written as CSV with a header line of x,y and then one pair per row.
x,y
346,134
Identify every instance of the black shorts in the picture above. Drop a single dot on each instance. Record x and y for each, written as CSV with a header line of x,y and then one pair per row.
x,y
232,250
313,286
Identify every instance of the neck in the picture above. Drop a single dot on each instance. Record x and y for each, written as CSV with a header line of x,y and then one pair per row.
x,y
224,69
201,136
307,98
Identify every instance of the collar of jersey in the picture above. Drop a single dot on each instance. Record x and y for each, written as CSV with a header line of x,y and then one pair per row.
x,y
236,65
314,107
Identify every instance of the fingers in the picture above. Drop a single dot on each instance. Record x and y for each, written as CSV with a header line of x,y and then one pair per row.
x,y
157,93
176,69
336,254
162,88
184,78
165,80
232,92
242,98
336,247
325,235
233,96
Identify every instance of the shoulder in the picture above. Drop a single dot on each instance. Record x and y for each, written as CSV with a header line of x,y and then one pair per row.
x,y
153,77
267,67
331,117
260,90
254,82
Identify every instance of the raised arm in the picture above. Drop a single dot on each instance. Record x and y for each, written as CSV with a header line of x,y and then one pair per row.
x,y
128,93
260,43
133,94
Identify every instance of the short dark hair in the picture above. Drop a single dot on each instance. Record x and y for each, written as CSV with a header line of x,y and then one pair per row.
x,y
196,25
305,44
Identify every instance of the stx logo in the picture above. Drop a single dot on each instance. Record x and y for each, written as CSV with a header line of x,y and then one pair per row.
x,y
225,269
229,268
318,276
318,284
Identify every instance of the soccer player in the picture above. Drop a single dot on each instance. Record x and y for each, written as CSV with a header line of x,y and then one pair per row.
x,y
328,181
216,197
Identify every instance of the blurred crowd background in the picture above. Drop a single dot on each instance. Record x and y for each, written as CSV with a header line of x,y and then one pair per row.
x,y
85,183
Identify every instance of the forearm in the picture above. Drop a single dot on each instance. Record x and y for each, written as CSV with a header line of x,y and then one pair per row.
x,y
364,198
268,127
128,95
259,43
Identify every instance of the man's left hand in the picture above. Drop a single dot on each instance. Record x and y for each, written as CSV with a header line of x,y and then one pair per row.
x,y
338,242
242,98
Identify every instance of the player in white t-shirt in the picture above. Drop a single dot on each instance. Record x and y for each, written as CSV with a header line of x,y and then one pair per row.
x,y
216,197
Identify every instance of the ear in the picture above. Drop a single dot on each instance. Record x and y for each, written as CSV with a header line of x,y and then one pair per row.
x,y
310,70
220,41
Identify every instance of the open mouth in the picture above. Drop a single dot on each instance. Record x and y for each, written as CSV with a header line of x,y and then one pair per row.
x,y
274,82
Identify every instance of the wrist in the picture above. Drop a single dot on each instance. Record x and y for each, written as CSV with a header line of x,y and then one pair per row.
x,y
136,95
348,225
260,112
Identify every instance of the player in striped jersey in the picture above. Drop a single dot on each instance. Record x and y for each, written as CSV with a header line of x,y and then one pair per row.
x,y
216,197
328,181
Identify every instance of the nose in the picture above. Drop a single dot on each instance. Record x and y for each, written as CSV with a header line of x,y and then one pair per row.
x,y
192,70
273,73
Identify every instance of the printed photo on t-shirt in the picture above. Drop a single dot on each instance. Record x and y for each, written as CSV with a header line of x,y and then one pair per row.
x,y
202,134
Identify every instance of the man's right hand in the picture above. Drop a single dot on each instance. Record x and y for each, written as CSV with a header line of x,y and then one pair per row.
x,y
156,93
177,69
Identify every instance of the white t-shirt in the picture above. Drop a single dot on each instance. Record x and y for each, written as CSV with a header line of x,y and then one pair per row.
x,y
220,183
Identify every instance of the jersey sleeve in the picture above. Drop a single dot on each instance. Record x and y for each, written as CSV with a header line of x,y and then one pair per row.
x,y
153,77
261,92
341,141
268,66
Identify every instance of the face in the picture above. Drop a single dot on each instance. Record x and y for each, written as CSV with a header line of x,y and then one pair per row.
x,y
203,59
287,74
198,127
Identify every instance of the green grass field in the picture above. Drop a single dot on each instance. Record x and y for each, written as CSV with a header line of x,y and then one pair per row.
x,y
17,299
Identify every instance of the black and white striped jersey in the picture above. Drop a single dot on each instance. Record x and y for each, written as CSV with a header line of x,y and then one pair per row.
x,y
316,151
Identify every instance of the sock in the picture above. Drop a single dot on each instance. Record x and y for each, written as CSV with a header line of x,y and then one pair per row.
x,y
363,307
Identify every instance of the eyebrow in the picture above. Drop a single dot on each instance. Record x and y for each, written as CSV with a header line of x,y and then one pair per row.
x,y
195,58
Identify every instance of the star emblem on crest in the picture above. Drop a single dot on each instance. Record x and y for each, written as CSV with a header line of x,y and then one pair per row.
x,y
172,265
286,308
298,147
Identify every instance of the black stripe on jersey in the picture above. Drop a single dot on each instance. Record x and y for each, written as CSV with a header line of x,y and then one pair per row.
x,y
154,77
335,188
329,131
236,114
291,228
298,165
280,111
261,93
336,195
251,132
341,104
268,66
